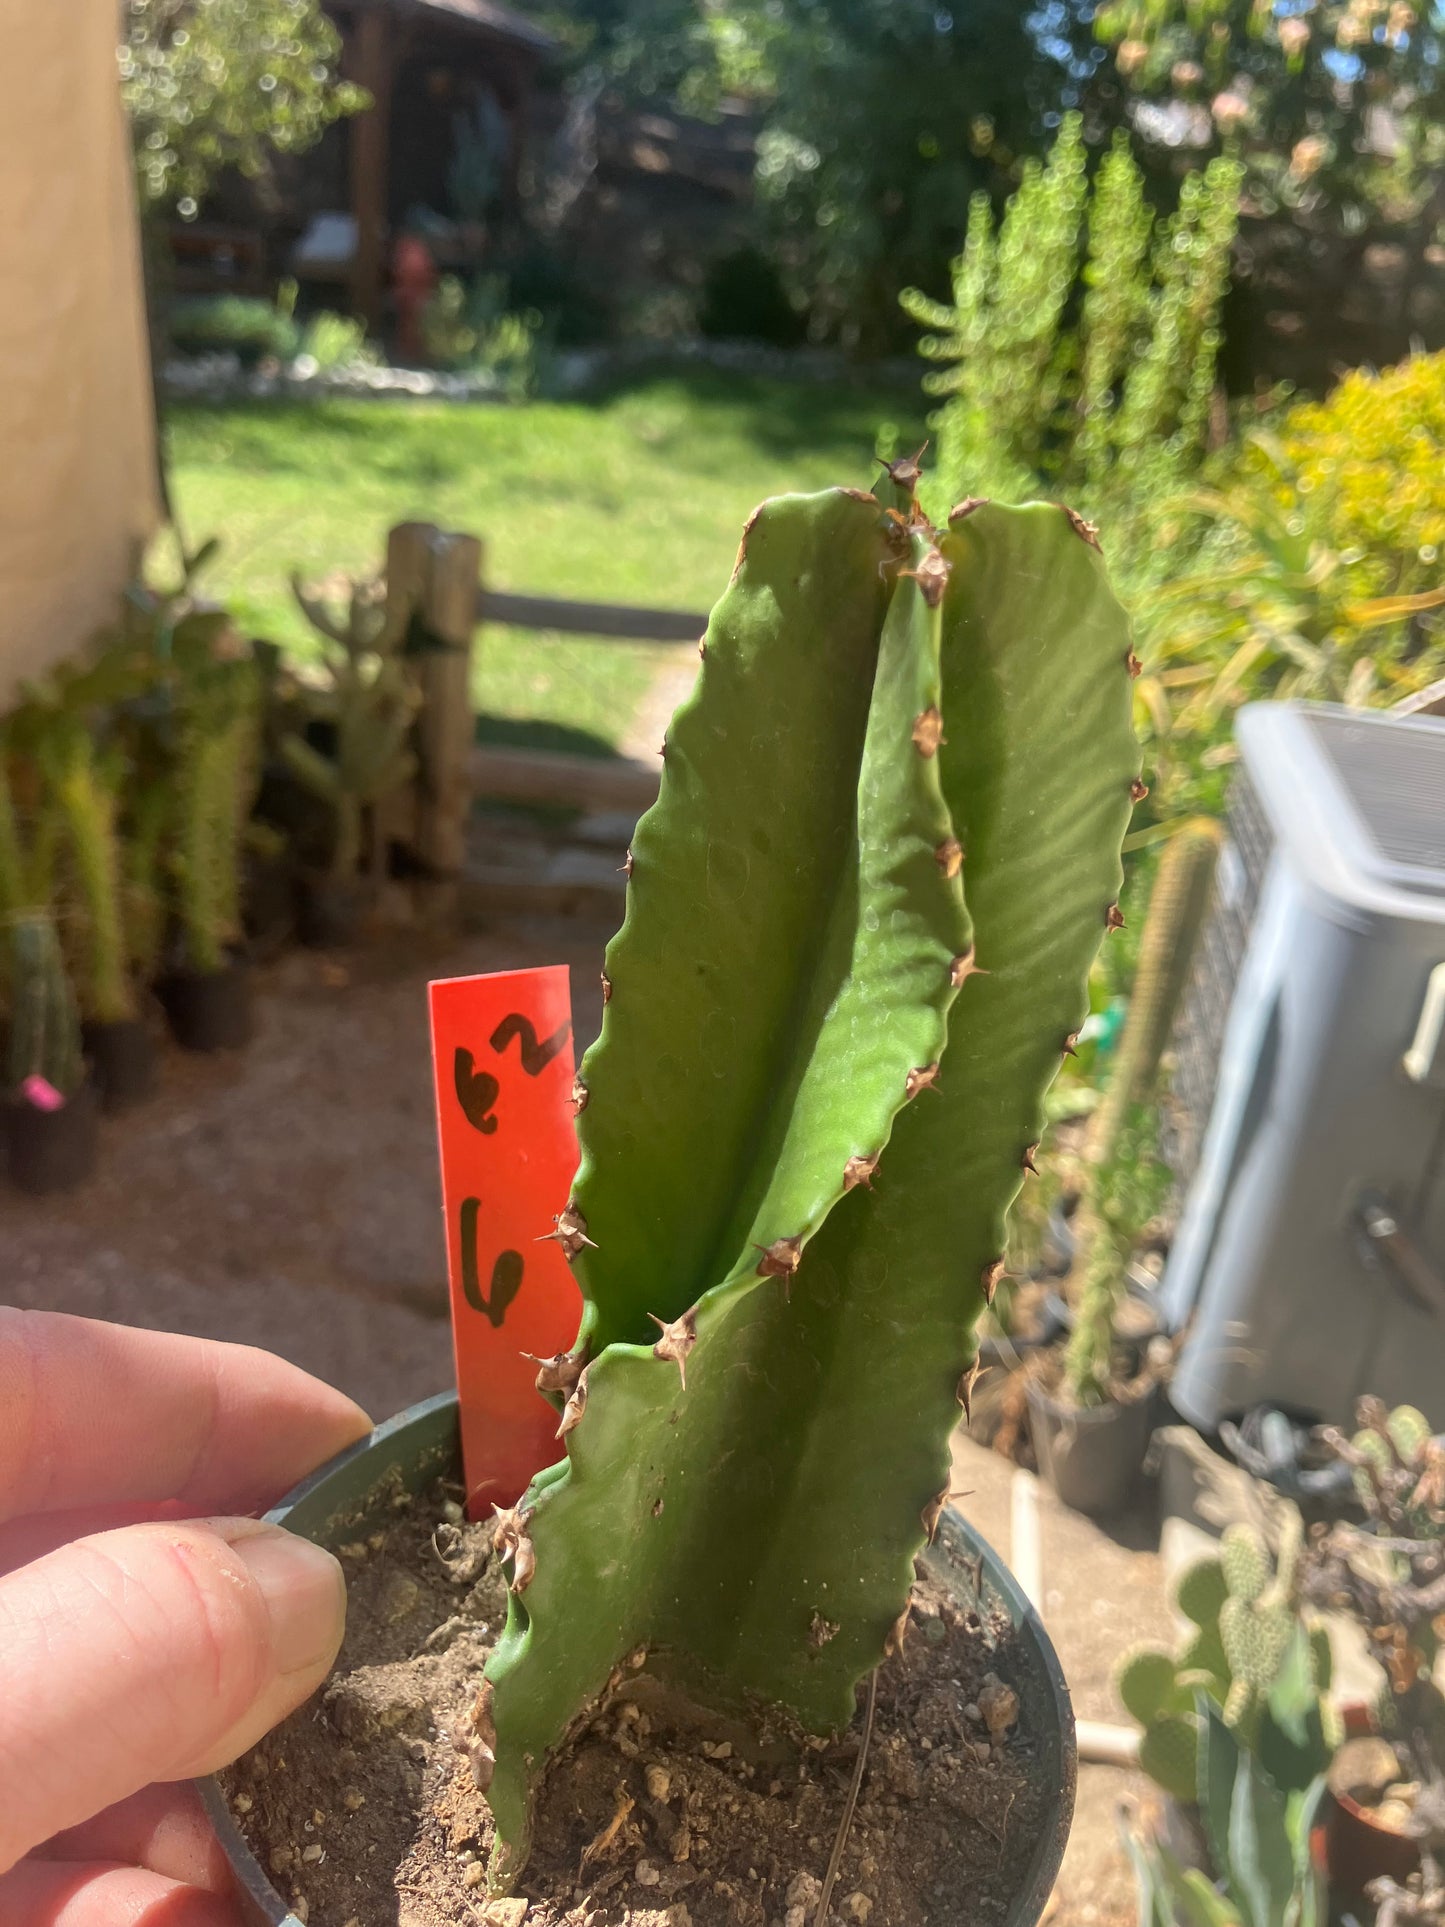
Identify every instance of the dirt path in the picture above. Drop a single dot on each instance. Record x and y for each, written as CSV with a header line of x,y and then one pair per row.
x,y
288,1197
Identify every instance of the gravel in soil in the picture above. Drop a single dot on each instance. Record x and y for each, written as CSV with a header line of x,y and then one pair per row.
x,y
365,1814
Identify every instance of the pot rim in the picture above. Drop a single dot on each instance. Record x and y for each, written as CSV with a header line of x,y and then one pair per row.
x,y
436,1418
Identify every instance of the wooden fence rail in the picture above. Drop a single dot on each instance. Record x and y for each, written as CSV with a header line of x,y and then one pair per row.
x,y
436,578
589,618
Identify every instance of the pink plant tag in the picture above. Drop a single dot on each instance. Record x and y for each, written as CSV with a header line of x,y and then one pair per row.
x,y
40,1092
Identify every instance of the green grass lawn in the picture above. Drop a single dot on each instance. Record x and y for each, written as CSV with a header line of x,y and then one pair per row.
x,y
636,497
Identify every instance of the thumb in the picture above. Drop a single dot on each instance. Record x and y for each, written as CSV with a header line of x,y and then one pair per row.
x,y
153,1653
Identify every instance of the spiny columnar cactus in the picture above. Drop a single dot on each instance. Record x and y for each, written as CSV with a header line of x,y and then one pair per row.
x,y
86,784
859,925
44,1022
1251,1656
1177,909
371,704
216,747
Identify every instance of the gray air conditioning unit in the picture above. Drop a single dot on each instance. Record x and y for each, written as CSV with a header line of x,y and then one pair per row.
x,y
1309,1266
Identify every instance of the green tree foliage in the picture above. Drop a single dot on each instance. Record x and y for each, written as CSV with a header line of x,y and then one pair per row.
x,y
877,123
1097,396
884,121
1337,104
212,84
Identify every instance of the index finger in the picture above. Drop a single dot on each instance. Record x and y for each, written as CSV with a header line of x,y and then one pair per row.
x,y
94,1414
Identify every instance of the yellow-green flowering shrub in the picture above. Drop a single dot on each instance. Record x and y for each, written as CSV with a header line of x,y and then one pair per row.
x,y
1320,573
1370,467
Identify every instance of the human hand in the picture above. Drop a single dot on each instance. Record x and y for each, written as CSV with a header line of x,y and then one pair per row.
x,y
140,1644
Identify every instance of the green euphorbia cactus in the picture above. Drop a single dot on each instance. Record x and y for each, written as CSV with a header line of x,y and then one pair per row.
x,y
860,921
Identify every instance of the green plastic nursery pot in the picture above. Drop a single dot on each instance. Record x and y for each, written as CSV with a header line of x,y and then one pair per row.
x,y
423,1444
1092,1457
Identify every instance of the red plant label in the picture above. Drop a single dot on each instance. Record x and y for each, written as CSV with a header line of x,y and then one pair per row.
x,y
502,1057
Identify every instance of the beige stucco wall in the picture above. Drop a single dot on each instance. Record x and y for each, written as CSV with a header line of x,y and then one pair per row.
x,y
77,455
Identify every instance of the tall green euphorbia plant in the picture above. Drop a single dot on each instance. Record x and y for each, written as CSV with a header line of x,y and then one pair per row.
x,y
860,920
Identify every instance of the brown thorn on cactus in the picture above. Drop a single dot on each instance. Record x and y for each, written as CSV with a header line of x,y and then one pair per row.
x,y
1113,919
860,495
511,1539
575,1406
906,473
475,1736
923,1079
949,856
932,1513
964,967
1028,1159
898,1632
821,1630
966,507
580,1095
1138,790
1086,531
931,575
964,1394
1133,665
626,866
677,1340
560,1372
991,1277
928,732
662,749
859,1170
570,1233
509,1523
1071,1044
748,527
780,1259
606,989
702,649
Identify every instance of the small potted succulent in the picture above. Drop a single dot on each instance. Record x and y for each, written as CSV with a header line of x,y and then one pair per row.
x,y
50,1106
364,715
1091,1407
860,921
1238,1731
1387,1836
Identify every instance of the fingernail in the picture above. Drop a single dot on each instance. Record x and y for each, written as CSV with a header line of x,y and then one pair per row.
x,y
305,1594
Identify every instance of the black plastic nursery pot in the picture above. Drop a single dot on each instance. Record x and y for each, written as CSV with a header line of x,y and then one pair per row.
x,y
1092,1457
208,1009
122,1061
49,1151
329,909
269,904
423,1444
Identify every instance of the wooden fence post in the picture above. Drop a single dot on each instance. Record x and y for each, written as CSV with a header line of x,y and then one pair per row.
x,y
446,726
433,580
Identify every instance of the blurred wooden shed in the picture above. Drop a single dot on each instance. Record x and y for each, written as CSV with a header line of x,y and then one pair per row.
x,y
330,214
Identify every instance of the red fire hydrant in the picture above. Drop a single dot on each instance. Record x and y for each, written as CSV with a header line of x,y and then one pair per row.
x,y
414,282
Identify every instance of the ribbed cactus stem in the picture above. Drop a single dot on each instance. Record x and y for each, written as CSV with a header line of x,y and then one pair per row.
x,y
859,926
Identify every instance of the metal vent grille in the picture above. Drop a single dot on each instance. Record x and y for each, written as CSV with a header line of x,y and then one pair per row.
x,y
1396,780
1198,1041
